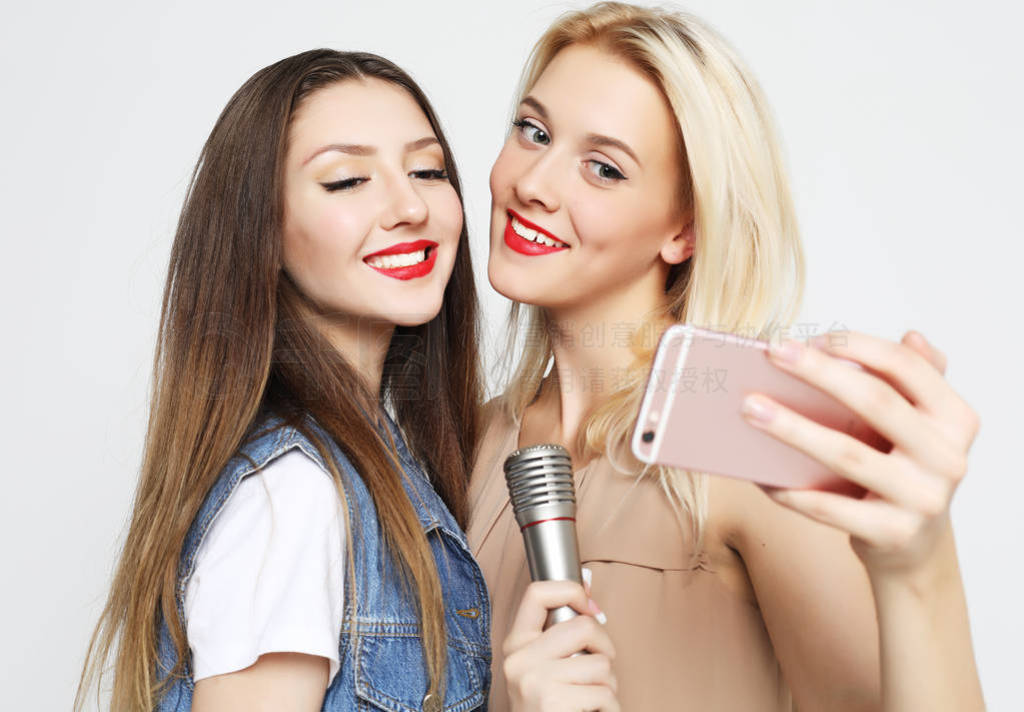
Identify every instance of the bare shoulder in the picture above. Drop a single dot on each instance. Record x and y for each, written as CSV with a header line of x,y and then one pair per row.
x,y
496,426
767,535
495,421
750,522
494,410
741,515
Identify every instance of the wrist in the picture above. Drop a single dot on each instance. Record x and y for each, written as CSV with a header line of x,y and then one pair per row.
x,y
917,574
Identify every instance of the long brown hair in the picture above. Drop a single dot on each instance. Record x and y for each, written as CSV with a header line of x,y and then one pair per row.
x,y
235,340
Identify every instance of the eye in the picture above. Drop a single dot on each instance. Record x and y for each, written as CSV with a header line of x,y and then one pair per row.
x,y
343,184
532,132
604,171
430,174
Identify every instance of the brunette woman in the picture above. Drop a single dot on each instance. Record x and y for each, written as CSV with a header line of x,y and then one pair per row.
x,y
293,544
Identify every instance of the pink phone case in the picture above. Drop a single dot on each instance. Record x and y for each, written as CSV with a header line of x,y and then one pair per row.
x,y
691,416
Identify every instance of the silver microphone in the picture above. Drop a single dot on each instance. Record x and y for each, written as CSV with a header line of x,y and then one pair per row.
x,y
540,485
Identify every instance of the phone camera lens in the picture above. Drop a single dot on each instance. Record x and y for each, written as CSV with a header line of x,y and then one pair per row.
x,y
648,436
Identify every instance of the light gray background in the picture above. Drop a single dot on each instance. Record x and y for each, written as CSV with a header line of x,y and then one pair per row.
x,y
901,123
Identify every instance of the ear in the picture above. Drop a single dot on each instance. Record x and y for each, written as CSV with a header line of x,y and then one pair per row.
x,y
679,247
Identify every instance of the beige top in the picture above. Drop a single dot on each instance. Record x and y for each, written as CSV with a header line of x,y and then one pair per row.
x,y
685,638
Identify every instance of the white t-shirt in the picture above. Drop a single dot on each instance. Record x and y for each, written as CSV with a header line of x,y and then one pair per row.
x,y
270,573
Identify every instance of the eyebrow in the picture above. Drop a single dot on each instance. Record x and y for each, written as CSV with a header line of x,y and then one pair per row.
x,y
537,106
355,149
599,140
595,139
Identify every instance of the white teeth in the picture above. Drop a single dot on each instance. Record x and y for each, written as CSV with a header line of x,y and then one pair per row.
x,y
533,235
395,261
524,231
412,258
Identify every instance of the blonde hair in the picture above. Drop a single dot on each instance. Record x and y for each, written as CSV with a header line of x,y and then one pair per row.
x,y
747,270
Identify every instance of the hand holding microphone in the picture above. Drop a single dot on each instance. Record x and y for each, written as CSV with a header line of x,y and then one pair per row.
x,y
543,666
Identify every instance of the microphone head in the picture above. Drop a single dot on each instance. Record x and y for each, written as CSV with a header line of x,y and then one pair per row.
x,y
540,483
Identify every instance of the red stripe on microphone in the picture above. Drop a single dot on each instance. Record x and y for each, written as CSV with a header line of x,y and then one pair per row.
x,y
553,519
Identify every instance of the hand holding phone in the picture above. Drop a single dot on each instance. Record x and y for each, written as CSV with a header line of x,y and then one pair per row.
x,y
691,415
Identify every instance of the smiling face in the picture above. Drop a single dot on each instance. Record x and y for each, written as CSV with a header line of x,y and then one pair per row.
x,y
584,192
371,222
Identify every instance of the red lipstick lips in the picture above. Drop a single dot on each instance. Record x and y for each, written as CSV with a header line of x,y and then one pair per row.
x,y
528,247
419,269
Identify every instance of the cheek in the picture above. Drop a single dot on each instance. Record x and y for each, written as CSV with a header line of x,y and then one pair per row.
x,y
503,171
620,223
600,221
447,212
325,237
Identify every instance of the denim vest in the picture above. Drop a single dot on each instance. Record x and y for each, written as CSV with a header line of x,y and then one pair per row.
x,y
382,664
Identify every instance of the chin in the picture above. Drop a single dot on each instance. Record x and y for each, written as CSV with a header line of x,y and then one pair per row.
x,y
415,316
499,281
415,321
504,282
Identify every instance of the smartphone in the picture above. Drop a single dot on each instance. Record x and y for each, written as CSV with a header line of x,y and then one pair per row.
x,y
691,416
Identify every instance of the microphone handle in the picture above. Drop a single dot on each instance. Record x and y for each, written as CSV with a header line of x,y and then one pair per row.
x,y
552,552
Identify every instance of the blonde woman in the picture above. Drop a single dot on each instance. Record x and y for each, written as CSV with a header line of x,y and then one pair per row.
x,y
642,185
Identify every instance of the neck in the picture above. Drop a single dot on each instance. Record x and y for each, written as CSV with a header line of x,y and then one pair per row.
x,y
592,345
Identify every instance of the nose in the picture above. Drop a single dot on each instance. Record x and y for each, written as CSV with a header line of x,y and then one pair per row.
x,y
536,184
404,205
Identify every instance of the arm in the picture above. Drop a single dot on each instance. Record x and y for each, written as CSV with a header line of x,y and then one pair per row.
x,y
276,682
814,597
900,532
927,656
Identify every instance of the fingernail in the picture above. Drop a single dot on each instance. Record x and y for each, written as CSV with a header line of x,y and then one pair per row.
x,y
588,575
596,611
601,618
758,409
787,352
